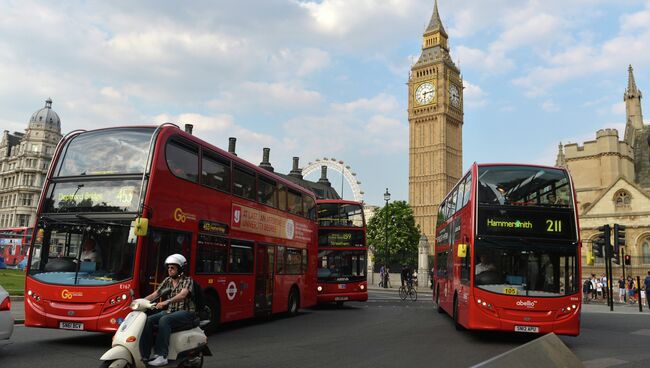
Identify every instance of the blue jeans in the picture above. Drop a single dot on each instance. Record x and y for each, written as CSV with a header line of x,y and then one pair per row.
x,y
165,321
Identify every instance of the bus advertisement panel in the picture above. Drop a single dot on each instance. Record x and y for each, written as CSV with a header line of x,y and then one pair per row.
x,y
342,252
105,227
507,252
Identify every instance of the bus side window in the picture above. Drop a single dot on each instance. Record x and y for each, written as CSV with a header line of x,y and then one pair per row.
x,y
215,171
295,202
183,160
282,197
280,261
243,183
241,257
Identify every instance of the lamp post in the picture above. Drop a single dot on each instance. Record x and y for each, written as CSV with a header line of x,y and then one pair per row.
x,y
386,198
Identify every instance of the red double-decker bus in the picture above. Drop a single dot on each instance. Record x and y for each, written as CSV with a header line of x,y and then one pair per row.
x,y
14,243
342,252
118,201
507,251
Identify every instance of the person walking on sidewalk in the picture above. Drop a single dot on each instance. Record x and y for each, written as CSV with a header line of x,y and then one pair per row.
x,y
646,284
621,289
586,289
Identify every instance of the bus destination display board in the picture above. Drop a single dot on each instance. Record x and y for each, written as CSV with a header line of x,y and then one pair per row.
x,y
536,224
340,238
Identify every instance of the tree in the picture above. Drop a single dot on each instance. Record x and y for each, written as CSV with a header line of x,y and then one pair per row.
x,y
403,234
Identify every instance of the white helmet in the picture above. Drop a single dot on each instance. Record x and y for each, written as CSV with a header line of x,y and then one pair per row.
x,y
176,259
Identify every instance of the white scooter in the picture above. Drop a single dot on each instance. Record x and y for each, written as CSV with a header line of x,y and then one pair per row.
x,y
186,347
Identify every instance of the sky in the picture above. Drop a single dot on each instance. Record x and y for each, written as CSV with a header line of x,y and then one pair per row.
x,y
326,78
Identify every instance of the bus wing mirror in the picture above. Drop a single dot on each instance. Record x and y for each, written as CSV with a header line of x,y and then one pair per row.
x,y
140,226
462,250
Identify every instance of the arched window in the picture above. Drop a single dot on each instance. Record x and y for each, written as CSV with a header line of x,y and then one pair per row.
x,y
622,199
645,250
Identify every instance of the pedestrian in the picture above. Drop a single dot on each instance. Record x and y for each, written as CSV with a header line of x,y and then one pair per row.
x,y
646,283
594,293
382,275
630,290
388,276
621,289
586,289
605,286
599,288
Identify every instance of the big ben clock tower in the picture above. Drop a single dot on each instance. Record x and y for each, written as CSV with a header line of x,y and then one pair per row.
x,y
435,112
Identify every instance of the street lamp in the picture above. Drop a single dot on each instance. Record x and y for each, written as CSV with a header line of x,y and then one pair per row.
x,y
386,198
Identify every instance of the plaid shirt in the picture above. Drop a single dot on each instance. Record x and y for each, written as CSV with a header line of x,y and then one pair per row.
x,y
183,283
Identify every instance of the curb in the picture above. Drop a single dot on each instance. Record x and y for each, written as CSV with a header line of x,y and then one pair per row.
x,y
16,298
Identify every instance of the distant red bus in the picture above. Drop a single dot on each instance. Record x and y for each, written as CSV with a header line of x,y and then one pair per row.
x,y
142,193
14,243
342,252
507,251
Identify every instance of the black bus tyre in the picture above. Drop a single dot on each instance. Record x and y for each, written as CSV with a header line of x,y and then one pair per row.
x,y
293,303
458,326
107,363
215,313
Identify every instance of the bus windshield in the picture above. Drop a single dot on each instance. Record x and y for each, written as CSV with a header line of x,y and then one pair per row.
x,y
539,269
83,254
104,152
342,265
340,214
523,186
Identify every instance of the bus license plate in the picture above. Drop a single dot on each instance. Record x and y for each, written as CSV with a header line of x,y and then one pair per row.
x,y
339,298
342,286
530,329
71,325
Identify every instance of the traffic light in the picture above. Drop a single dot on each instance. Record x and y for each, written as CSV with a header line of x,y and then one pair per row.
x,y
619,241
628,260
601,243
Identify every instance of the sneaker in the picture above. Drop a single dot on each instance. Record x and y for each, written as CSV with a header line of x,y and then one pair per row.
x,y
158,362
153,357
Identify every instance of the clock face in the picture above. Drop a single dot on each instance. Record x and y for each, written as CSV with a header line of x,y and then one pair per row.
x,y
454,95
424,93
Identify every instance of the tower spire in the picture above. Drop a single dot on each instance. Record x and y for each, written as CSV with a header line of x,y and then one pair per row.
x,y
560,161
435,24
631,84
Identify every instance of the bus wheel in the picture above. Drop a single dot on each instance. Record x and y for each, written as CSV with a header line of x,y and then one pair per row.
x,y
458,326
215,313
293,305
438,307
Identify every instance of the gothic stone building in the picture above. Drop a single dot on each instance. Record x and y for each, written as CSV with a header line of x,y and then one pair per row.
x,y
435,113
24,159
612,181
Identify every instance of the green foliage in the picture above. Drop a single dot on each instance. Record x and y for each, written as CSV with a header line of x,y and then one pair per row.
x,y
403,234
13,281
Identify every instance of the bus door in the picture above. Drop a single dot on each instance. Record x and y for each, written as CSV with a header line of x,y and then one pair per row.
x,y
264,261
157,247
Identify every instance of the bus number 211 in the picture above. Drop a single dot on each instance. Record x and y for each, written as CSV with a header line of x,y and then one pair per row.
x,y
554,226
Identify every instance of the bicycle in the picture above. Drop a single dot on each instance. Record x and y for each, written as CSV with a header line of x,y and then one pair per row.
x,y
408,291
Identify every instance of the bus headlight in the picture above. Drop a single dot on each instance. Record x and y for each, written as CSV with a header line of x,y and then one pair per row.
x,y
319,288
362,287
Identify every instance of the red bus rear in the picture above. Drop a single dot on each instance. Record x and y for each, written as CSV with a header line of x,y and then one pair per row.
x,y
342,252
507,251
142,193
14,243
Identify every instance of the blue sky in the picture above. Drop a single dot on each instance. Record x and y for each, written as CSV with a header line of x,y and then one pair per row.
x,y
326,78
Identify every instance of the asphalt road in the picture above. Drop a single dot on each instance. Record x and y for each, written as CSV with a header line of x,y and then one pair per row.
x,y
383,332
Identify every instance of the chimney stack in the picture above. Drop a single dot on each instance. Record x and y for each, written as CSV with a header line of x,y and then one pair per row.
x,y
323,176
296,172
188,128
265,164
232,141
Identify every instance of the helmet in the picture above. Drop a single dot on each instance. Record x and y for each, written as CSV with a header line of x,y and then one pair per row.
x,y
176,259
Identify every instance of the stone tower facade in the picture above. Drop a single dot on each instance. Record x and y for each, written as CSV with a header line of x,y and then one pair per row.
x,y
435,113
24,160
611,175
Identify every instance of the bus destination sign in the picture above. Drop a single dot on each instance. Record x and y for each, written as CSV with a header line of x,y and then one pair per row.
x,y
340,238
213,227
536,224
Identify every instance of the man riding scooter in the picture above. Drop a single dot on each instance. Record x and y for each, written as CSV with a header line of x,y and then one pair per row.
x,y
177,310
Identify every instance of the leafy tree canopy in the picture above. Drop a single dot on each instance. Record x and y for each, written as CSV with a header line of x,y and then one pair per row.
x,y
403,234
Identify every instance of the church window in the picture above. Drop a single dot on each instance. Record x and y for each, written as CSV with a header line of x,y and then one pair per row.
x,y
645,249
622,199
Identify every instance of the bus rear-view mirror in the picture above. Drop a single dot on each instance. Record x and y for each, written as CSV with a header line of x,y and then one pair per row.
x,y
140,226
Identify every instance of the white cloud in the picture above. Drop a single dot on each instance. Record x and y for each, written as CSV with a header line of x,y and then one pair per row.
x,y
381,103
550,106
266,97
473,95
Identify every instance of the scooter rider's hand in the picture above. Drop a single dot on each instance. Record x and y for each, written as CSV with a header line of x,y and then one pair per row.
x,y
162,305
